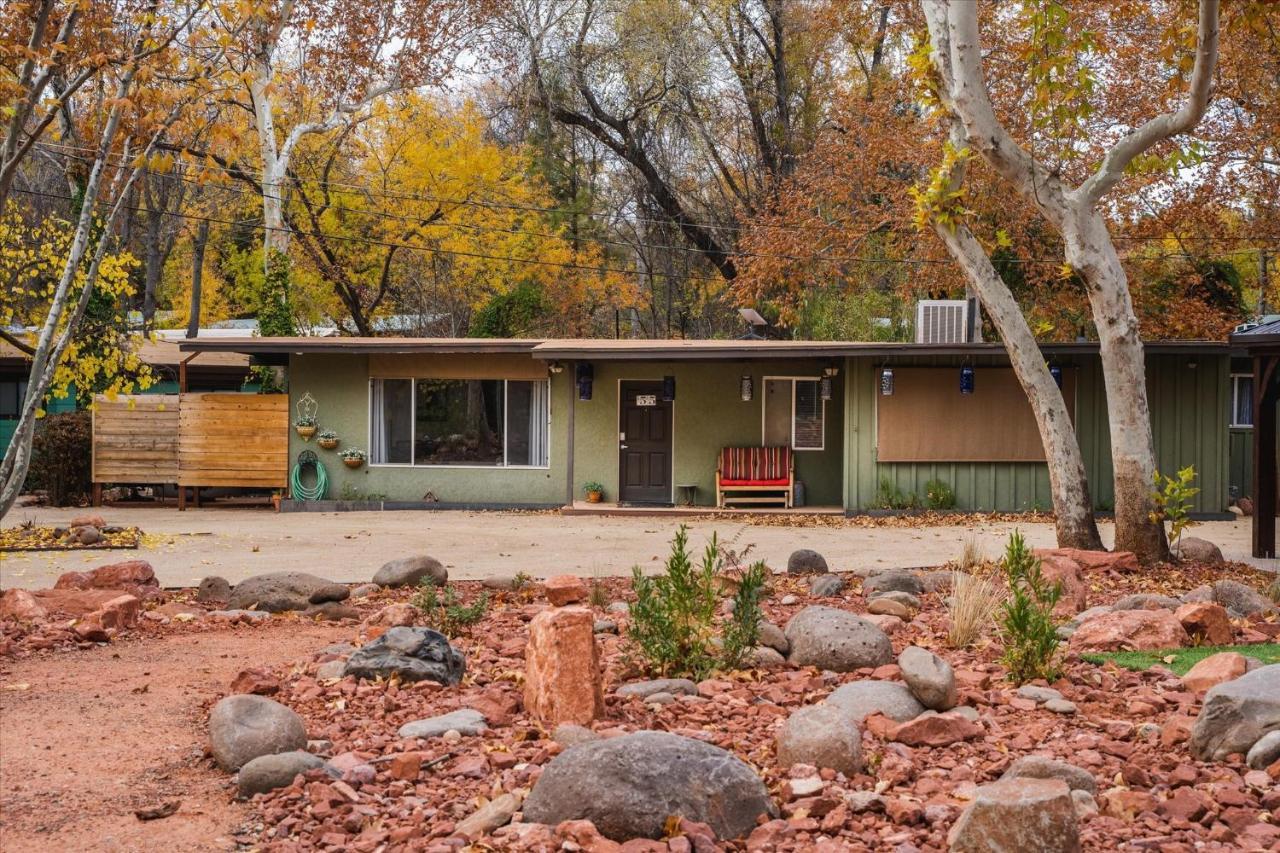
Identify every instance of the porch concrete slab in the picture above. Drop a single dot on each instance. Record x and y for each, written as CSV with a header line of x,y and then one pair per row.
x,y
238,542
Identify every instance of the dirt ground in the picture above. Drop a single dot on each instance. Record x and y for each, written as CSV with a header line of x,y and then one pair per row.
x,y
87,737
349,547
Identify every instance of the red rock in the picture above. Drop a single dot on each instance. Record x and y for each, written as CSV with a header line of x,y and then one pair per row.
x,y
563,683
1176,730
392,616
888,672
1127,804
405,766
1206,622
880,725
257,681
90,628
936,730
643,845
1129,630
121,575
1185,804
768,836
904,812
73,580
1183,774
584,834
497,705
565,589
1093,561
21,605
1018,814
120,612
92,520
1056,568
473,766
1215,669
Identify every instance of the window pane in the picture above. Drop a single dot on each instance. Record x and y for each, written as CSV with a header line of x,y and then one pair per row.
x,y
391,412
777,412
458,422
8,399
1244,401
527,423
808,434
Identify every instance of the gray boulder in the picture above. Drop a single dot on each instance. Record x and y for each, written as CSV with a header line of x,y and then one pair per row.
x,y
860,699
416,654
826,586
277,592
570,734
465,721
268,772
1265,752
929,677
213,589
1016,815
771,635
330,592
821,735
409,571
939,580
837,640
906,599
806,562
245,726
629,786
894,580
1199,550
1236,714
1040,767
1243,599
765,657
1136,601
674,686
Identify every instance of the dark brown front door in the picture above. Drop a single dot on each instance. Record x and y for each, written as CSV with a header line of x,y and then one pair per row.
x,y
644,444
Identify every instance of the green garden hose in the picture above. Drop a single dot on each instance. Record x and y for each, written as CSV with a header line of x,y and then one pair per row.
x,y
308,493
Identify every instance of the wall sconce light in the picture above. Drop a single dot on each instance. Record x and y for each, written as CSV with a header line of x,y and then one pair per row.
x,y
966,380
584,376
747,388
668,389
1191,363
556,367
824,388
886,382
1056,372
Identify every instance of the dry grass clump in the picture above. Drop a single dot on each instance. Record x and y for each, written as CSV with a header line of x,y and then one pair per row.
x,y
971,556
971,607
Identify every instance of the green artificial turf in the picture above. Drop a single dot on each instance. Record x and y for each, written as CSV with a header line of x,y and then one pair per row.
x,y
1181,660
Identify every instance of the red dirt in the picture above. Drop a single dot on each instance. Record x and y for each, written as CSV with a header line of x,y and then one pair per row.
x,y
87,737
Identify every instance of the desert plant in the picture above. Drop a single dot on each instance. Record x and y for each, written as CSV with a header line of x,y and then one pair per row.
x,y
62,457
938,495
1273,591
443,610
971,556
742,631
597,596
1027,627
521,580
1173,499
889,496
971,608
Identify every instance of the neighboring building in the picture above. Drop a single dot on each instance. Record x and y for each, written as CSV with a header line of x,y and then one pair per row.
x,y
525,423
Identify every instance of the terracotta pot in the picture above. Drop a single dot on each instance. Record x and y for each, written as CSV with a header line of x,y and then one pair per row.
x,y
594,497
353,463
275,502
328,443
306,432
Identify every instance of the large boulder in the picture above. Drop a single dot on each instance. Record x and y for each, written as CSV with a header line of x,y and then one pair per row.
x,y
409,571
213,589
277,592
929,677
1016,815
1206,622
860,699
823,736
21,605
1124,630
1056,568
1146,601
1042,767
464,721
244,726
894,580
806,562
1241,598
415,654
1200,551
837,640
1214,670
268,772
1236,714
630,786
562,676
1095,561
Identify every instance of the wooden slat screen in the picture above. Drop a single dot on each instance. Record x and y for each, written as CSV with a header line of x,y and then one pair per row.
x,y
135,439
927,419
234,440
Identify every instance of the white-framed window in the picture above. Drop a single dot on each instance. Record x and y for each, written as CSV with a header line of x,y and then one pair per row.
x,y
12,395
1241,414
469,423
794,413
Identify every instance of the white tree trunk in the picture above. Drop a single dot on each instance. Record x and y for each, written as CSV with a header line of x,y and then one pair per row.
x,y
275,236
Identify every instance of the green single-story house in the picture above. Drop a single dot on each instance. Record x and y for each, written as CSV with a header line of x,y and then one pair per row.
x,y
489,423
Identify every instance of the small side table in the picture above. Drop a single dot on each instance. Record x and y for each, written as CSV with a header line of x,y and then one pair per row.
x,y
687,493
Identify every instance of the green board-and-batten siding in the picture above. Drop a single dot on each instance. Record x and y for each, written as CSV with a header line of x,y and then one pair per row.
x,y
1188,406
56,405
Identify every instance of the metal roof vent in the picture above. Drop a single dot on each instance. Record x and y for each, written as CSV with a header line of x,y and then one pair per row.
x,y
947,321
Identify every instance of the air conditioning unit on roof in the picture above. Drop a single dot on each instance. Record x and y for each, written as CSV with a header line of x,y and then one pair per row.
x,y
947,321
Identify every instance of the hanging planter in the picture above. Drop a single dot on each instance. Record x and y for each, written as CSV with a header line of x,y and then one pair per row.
x,y
327,439
305,427
352,457
305,424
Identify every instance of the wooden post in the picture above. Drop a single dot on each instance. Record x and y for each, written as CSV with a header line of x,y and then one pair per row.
x,y
182,498
1266,391
573,405
97,494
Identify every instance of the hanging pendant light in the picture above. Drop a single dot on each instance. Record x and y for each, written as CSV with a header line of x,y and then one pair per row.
x,y
584,375
824,388
668,389
966,380
886,382
1056,372
747,388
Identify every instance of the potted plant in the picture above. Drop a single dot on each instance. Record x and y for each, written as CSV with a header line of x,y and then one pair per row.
x,y
594,490
305,426
328,439
275,499
352,457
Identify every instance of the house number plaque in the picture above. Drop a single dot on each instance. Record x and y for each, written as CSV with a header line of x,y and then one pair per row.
x,y
646,399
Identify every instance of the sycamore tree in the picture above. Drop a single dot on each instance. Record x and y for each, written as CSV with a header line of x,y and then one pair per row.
x,y
1037,168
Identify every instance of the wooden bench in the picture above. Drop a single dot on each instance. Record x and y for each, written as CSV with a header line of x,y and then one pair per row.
x,y
755,475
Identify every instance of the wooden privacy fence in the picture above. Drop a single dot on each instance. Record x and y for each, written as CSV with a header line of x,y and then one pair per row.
x,y
192,440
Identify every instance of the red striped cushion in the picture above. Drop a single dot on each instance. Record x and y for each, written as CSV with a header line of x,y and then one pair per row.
x,y
755,463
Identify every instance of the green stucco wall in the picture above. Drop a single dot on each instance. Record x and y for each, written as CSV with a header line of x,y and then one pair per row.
x,y
340,386
1188,412
709,414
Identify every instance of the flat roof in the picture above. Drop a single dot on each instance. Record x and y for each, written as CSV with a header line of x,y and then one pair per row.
x,y
161,352
629,349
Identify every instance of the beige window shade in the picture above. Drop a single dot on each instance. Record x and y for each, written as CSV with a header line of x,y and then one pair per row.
x,y
927,419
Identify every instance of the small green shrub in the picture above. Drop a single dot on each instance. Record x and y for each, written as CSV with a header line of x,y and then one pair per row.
x,y
443,610
1173,497
520,581
62,457
1273,591
1027,627
938,495
890,496
673,630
